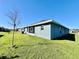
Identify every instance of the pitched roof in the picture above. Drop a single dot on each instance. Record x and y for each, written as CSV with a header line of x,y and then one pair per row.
x,y
46,21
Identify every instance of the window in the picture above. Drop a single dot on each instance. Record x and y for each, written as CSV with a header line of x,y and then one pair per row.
x,y
27,29
42,27
60,28
31,29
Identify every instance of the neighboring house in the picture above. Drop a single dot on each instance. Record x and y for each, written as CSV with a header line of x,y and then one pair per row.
x,y
74,31
19,29
48,29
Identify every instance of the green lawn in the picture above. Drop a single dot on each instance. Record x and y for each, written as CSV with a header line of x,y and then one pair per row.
x,y
31,47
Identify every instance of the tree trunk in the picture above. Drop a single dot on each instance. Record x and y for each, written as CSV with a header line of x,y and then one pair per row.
x,y
13,35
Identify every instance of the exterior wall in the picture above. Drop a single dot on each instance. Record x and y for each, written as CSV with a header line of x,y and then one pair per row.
x,y
58,31
50,31
25,30
46,33
19,30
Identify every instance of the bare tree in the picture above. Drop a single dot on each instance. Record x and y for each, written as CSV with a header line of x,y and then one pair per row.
x,y
14,21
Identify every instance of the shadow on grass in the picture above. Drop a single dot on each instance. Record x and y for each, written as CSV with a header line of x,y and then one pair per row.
x,y
70,37
1,36
12,57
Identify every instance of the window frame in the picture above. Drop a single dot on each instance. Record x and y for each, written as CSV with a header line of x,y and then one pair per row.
x,y
42,27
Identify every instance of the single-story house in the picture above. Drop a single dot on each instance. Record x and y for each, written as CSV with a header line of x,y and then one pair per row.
x,y
19,29
48,29
74,30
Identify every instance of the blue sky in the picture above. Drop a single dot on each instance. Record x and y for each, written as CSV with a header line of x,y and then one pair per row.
x,y
66,12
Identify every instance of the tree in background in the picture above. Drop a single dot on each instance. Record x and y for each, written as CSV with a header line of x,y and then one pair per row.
x,y
14,21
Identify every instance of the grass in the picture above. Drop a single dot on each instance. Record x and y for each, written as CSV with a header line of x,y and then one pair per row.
x,y
31,47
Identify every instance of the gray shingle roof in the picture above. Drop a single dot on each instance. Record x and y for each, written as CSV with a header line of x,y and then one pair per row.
x,y
46,21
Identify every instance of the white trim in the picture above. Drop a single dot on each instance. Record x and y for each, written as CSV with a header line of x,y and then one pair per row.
x,y
31,34
47,21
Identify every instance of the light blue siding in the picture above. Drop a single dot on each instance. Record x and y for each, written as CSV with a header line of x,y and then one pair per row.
x,y
50,31
25,30
58,31
46,33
